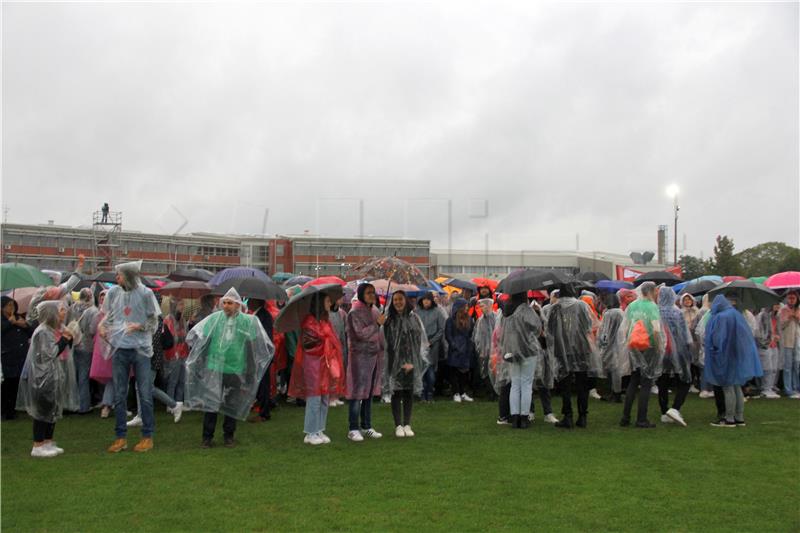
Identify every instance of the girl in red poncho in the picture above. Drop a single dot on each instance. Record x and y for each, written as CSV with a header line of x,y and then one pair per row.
x,y
317,371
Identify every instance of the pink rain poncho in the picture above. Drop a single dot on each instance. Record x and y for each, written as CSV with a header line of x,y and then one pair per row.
x,y
365,352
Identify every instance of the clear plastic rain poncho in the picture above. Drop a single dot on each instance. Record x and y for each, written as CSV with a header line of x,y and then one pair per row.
x,y
499,368
645,313
482,335
46,294
406,343
767,343
570,339
229,356
611,345
678,356
132,303
699,331
43,386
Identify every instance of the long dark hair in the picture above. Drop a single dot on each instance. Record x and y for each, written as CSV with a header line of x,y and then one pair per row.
x,y
317,307
392,311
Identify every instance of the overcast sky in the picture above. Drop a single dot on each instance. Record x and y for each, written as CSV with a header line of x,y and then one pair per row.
x,y
566,118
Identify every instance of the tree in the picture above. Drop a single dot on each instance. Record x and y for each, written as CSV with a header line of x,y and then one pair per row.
x,y
768,258
693,267
725,263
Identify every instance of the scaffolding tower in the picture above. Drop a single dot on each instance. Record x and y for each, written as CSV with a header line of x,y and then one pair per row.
x,y
106,231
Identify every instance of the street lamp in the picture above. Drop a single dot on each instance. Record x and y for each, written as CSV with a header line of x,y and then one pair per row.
x,y
672,192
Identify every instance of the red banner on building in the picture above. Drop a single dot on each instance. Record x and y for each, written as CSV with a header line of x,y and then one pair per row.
x,y
625,273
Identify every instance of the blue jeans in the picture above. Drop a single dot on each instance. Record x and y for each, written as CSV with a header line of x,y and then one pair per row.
x,y
791,370
121,363
83,362
316,414
364,407
521,386
428,383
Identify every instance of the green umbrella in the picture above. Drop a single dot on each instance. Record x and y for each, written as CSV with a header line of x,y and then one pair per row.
x,y
759,279
19,275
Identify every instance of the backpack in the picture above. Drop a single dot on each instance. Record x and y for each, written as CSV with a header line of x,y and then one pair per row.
x,y
640,339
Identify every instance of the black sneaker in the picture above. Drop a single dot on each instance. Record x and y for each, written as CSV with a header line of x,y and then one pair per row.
x,y
723,424
207,443
739,423
625,422
645,425
229,442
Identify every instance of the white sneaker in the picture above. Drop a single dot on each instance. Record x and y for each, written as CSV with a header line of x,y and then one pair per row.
x,y
52,446
386,398
314,440
372,434
654,389
693,389
177,412
466,397
705,394
43,451
676,415
770,395
594,394
550,418
325,439
666,420
169,410
136,421
398,432
407,431
355,436
795,396
531,417
456,398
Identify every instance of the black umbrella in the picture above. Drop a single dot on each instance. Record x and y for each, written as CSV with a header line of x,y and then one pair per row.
x,y
292,315
658,277
699,288
252,288
111,277
460,284
186,289
190,274
533,280
749,295
594,277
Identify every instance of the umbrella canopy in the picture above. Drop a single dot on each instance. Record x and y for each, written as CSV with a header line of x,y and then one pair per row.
x,y
186,289
297,280
280,277
758,279
191,274
325,280
237,273
486,282
256,288
697,288
292,315
594,277
23,296
18,275
383,287
658,277
533,280
784,280
460,284
748,294
433,286
607,285
726,279
111,277
391,268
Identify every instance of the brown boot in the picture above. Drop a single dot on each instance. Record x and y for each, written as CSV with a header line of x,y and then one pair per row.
x,y
118,446
144,445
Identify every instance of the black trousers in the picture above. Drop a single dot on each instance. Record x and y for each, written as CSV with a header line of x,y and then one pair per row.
x,y
9,390
503,403
544,396
210,424
406,398
458,380
582,385
263,394
43,430
719,399
681,392
643,385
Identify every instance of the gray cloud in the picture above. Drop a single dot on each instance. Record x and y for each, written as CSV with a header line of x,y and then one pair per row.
x,y
567,119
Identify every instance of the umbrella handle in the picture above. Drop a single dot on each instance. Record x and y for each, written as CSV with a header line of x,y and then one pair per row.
x,y
386,302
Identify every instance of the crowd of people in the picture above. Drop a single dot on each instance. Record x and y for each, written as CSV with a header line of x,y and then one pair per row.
x,y
225,356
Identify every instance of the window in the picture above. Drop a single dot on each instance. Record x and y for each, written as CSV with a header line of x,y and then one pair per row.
x,y
279,250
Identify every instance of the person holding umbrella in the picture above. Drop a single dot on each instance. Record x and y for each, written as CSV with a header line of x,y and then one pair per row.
x,y
318,371
731,357
406,353
230,352
365,348
789,331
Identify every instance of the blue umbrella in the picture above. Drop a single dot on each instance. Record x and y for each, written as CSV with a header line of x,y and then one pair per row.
x,y
613,285
677,288
433,286
238,273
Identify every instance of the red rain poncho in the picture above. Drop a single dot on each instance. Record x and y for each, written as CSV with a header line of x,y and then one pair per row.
x,y
318,369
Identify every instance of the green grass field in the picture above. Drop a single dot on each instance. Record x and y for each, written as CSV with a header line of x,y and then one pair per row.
x,y
461,472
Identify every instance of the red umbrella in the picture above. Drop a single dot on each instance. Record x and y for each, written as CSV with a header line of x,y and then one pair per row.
x,y
784,280
726,279
325,280
486,282
539,295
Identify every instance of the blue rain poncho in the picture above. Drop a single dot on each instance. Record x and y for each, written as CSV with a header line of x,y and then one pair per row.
x,y
730,348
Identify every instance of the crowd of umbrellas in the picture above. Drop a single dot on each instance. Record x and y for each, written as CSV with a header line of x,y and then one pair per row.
x,y
388,274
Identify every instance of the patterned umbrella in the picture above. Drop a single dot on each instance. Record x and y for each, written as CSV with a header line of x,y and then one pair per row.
x,y
390,268
237,273
384,286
